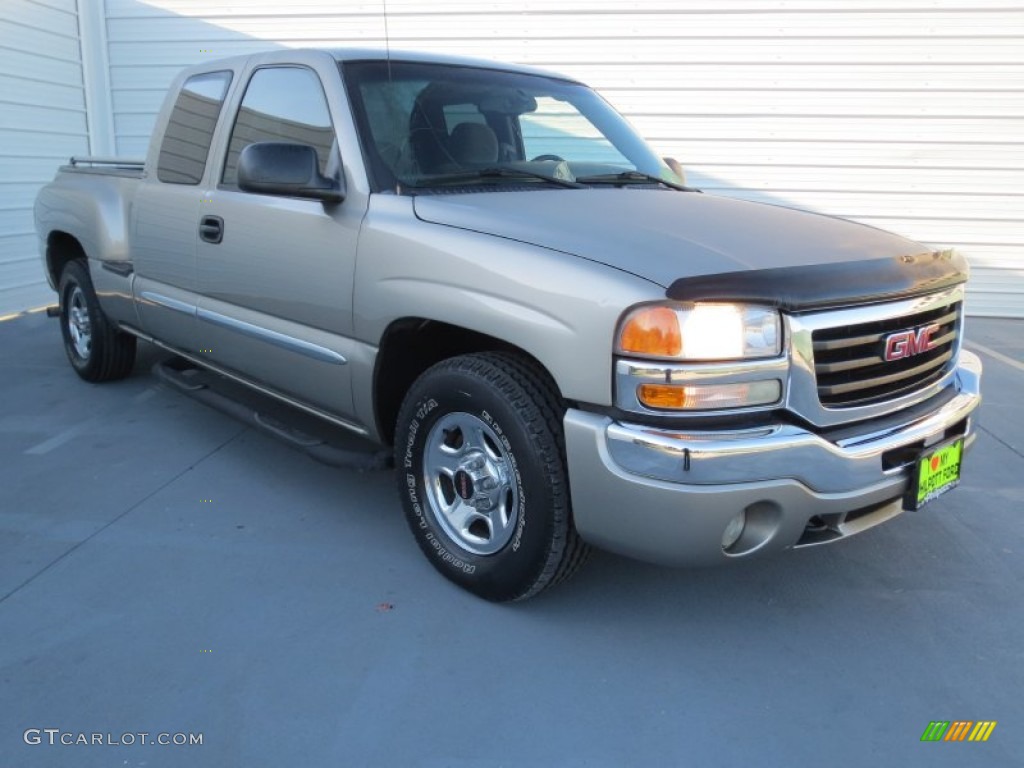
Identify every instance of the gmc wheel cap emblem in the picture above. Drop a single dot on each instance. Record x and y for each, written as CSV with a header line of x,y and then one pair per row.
x,y
463,485
909,343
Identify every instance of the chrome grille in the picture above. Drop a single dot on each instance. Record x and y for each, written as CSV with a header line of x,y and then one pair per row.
x,y
850,365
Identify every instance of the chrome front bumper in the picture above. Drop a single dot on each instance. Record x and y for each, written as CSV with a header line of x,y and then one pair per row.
x,y
667,496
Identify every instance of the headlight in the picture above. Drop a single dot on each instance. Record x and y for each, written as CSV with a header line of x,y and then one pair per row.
x,y
700,332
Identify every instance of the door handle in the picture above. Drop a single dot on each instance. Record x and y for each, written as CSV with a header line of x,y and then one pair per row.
x,y
211,229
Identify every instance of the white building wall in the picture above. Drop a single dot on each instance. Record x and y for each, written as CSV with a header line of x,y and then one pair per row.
x,y
42,123
905,114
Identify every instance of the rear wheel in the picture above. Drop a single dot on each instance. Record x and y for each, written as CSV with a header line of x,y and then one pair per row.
x,y
95,348
481,469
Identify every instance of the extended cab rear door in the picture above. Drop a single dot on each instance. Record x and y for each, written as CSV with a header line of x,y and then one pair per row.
x,y
275,273
166,209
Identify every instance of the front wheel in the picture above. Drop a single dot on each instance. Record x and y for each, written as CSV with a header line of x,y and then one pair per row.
x,y
481,469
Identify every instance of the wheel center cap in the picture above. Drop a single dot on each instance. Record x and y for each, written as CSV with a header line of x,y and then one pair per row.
x,y
463,485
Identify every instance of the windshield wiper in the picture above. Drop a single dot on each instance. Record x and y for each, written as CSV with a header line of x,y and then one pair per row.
x,y
630,177
493,173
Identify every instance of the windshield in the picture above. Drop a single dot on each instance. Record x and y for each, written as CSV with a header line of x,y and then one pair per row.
x,y
427,126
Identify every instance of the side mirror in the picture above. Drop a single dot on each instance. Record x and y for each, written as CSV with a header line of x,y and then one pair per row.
x,y
676,168
290,170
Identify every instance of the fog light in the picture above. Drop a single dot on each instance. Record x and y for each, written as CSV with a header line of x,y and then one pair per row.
x,y
734,530
709,396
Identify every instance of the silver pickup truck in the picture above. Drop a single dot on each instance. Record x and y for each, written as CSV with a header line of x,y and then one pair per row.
x,y
485,267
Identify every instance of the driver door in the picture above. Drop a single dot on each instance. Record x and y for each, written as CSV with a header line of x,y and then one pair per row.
x,y
275,273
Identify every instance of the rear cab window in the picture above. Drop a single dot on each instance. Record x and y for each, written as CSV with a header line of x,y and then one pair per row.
x,y
186,143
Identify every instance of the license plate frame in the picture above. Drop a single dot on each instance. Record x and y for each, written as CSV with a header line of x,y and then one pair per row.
x,y
943,461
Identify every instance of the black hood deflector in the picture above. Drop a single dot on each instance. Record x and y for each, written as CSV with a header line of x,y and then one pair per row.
x,y
803,288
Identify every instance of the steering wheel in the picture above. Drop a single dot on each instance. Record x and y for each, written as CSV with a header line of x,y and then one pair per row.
x,y
556,158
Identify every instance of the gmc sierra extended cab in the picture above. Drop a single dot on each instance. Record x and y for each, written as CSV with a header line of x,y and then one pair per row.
x,y
484,267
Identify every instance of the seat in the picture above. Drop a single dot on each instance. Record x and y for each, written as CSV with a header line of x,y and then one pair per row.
x,y
473,144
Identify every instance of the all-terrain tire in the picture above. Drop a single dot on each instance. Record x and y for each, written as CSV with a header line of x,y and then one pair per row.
x,y
480,464
97,350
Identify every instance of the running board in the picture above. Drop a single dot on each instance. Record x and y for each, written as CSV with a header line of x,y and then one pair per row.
x,y
194,381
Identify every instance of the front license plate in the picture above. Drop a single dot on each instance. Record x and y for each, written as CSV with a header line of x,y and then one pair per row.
x,y
938,471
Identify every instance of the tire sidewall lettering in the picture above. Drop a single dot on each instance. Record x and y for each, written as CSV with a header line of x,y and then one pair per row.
x,y
442,551
510,404
423,409
517,476
427,410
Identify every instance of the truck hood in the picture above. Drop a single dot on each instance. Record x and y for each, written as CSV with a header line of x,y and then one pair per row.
x,y
666,237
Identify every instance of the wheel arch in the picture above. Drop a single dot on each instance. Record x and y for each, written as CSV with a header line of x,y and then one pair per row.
x,y
61,248
411,345
92,210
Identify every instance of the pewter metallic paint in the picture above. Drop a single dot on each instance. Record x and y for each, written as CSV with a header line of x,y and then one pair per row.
x,y
561,309
662,235
548,271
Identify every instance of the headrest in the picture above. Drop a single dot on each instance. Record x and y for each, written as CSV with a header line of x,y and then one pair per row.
x,y
473,144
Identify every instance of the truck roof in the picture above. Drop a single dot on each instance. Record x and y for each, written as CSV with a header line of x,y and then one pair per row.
x,y
381,54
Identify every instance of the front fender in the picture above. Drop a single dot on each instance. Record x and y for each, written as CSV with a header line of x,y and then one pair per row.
x,y
559,308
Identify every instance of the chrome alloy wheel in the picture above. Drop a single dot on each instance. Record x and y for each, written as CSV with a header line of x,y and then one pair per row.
x,y
469,483
79,325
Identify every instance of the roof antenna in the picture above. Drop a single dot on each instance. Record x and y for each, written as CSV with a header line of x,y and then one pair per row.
x,y
387,38
387,50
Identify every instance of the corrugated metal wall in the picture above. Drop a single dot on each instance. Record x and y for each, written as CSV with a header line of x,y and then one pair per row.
x,y
42,123
906,114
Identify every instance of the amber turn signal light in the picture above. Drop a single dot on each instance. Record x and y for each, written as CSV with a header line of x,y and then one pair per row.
x,y
662,396
709,396
651,331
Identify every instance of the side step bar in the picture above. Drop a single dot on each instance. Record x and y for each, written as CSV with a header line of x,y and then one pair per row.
x,y
193,381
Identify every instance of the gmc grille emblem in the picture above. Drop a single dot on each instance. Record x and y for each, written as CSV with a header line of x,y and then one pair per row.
x,y
909,343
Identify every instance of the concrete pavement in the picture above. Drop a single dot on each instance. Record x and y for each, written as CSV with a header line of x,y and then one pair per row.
x,y
167,569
